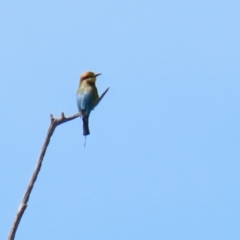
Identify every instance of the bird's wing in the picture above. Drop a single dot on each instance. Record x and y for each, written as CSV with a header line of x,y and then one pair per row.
x,y
83,99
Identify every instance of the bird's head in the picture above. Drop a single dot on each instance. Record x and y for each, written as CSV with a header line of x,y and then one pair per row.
x,y
89,76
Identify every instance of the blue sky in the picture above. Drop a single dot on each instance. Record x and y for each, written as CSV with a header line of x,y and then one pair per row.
x,y
162,160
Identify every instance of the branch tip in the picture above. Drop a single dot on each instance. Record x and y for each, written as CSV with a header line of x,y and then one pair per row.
x,y
62,115
51,117
101,97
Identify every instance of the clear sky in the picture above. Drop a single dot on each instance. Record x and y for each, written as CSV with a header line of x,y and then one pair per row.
x,y
162,160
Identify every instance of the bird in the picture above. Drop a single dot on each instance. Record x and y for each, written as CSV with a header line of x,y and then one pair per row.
x,y
87,97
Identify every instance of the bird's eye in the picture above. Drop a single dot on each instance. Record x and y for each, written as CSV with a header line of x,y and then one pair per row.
x,y
85,78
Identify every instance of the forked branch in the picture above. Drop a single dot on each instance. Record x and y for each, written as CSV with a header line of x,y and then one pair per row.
x,y
54,123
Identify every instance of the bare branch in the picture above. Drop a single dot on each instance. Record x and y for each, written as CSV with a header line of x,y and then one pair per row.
x,y
54,123
100,98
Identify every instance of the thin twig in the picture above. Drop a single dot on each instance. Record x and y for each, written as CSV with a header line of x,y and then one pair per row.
x,y
54,123
100,98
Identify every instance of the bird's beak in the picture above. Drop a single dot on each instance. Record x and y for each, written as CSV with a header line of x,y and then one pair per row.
x,y
97,74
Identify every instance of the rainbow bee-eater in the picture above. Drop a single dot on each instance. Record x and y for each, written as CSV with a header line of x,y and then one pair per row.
x,y
87,97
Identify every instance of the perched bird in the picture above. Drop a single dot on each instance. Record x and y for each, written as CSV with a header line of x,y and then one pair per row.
x,y
87,97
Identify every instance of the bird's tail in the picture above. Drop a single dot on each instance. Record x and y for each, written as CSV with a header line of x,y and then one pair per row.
x,y
85,126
